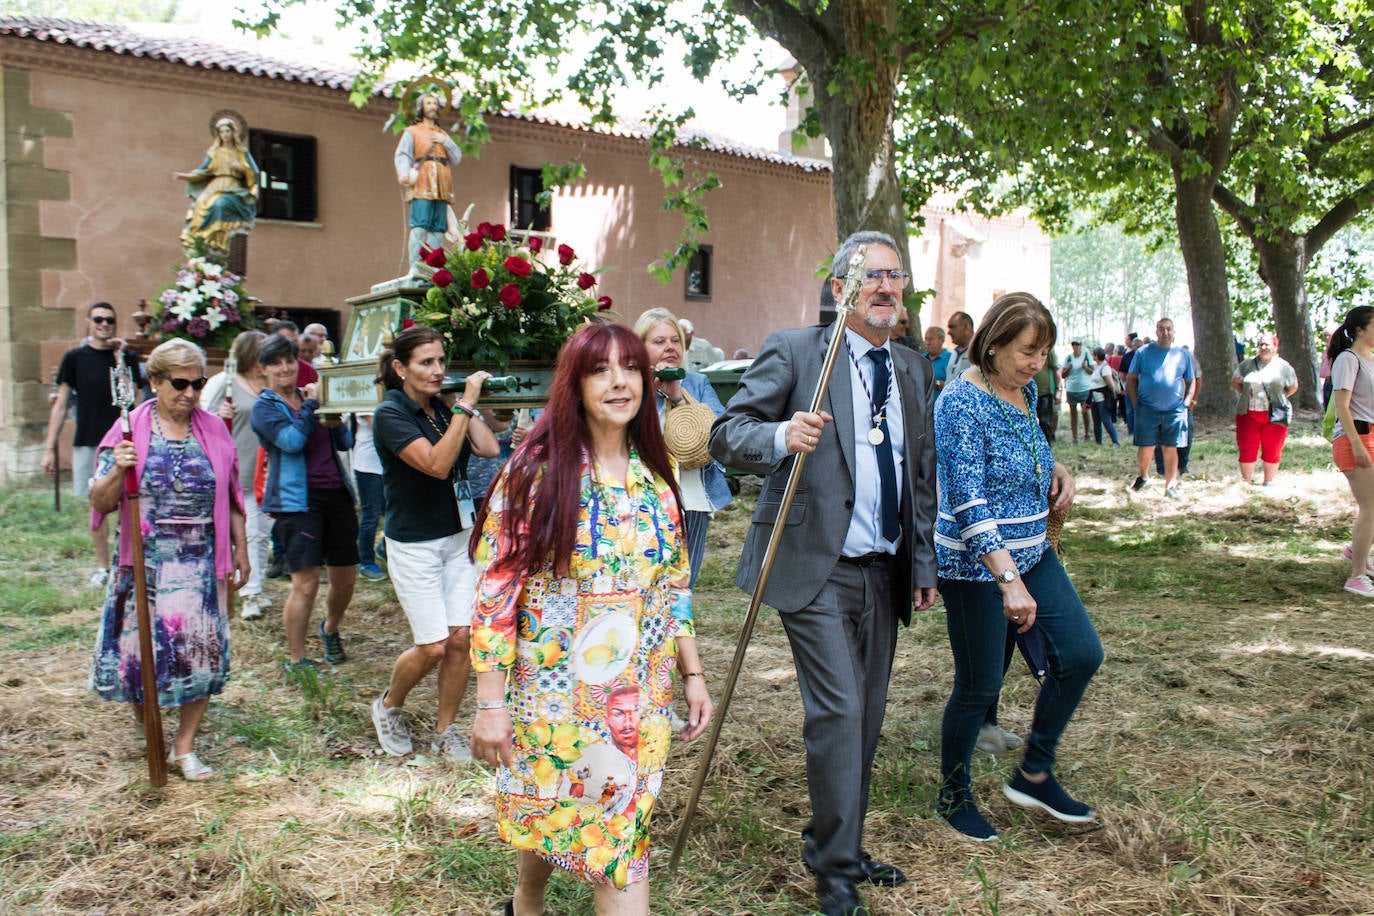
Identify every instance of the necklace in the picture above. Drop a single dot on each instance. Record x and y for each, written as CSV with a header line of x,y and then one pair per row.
x,y
618,509
176,451
877,413
1001,404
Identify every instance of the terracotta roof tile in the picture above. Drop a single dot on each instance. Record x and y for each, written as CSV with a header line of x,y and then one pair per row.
x,y
175,44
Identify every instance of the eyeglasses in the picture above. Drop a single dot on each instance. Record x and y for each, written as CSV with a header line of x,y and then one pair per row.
x,y
874,278
181,384
101,319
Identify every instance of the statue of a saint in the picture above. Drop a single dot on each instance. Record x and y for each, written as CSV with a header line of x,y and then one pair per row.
x,y
424,159
223,188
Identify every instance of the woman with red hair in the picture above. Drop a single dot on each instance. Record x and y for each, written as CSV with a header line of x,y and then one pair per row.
x,y
584,598
1263,384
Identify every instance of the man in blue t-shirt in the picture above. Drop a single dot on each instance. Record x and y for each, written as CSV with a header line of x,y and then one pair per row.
x,y
1160,385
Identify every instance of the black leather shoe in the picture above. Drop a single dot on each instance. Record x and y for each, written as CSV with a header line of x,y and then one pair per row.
x,y
839,897
881,873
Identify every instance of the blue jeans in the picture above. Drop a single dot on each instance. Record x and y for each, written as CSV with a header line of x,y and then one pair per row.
x,y
1102,416
372,500
977,638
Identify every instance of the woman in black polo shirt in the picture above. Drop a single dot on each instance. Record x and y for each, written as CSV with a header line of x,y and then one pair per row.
x,y
427,557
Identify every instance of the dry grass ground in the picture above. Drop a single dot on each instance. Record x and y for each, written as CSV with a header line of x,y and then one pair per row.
x,y
1227,743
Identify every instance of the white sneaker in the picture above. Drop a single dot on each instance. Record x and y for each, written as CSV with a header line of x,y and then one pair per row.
x,y
1360,585
451,743
100,578
250,607
994,739
392,732
1347,554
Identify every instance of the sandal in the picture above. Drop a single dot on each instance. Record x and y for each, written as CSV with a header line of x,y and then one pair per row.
x,y
191,766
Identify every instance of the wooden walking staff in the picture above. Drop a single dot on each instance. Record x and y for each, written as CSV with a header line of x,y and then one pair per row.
x,y
854,279
125,395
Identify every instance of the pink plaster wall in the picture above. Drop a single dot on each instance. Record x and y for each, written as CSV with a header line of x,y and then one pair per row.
x,y
771,225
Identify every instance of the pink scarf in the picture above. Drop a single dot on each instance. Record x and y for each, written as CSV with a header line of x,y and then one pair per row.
x,y
214,438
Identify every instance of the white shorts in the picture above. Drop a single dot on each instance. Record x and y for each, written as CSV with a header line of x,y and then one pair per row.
x,y
83,469
435,582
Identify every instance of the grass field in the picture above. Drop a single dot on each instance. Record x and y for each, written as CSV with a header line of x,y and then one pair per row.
x,y
1227,741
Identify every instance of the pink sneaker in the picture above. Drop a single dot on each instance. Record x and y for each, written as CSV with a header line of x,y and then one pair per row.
x,y
1347,553
1360,585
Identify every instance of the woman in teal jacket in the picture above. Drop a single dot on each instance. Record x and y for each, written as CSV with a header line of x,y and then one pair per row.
x,y
307,494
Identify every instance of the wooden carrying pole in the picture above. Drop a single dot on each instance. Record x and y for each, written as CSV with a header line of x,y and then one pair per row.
x,y
854,279
125,394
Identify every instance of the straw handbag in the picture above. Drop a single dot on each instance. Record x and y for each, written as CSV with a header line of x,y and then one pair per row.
x,y
686,429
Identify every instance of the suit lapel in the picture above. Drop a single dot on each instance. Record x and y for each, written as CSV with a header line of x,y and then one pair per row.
x,y
913,412
840,399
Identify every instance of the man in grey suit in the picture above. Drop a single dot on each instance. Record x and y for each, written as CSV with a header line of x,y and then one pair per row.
x,y
858,550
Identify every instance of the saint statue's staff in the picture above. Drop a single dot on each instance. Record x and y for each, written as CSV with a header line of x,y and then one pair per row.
x,y
854,279
125,395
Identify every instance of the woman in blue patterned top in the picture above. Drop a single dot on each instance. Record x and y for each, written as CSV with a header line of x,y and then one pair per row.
x,y
998,578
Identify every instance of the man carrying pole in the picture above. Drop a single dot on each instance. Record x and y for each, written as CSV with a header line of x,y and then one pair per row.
x,y
857,551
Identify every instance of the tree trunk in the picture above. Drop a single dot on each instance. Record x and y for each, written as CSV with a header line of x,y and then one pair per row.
x,y
1204,258
864,175
1283,266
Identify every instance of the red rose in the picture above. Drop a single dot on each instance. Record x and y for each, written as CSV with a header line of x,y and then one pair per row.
x,y
472,241
518,266
565,255
603,304
442,277
498,233
536,244
509,295
585,281
484,230
480,279
407,323
434,257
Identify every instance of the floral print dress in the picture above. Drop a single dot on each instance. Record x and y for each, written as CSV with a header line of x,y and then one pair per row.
x,y
190,622
590,660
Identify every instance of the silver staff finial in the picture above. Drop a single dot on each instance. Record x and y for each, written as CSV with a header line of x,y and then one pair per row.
x,y
123,391
853,281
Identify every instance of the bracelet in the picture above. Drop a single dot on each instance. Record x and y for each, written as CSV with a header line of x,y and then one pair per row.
x,y
459,408
694,674
491,704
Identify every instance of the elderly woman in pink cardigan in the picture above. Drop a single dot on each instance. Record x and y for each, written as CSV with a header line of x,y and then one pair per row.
x,y
195,548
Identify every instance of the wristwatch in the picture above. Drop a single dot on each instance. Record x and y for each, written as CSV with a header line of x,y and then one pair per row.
x,y
1007,575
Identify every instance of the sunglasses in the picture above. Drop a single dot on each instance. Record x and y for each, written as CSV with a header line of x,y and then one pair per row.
x,y
181,384
101,319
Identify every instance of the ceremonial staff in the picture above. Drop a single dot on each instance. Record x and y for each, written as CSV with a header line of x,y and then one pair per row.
x,y
125,394
57,456
854,279
231,369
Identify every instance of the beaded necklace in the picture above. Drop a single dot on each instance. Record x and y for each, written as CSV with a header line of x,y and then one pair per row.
x,y
1030,445
176,451
618,509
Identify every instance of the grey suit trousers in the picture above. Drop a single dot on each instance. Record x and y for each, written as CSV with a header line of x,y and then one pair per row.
x,y
842,645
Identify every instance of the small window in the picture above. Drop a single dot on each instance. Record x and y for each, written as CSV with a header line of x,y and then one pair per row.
x,y
698,278
286,186
525,211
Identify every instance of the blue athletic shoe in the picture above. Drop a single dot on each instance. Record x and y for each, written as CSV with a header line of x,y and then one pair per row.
x,y
1048,796
371,572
